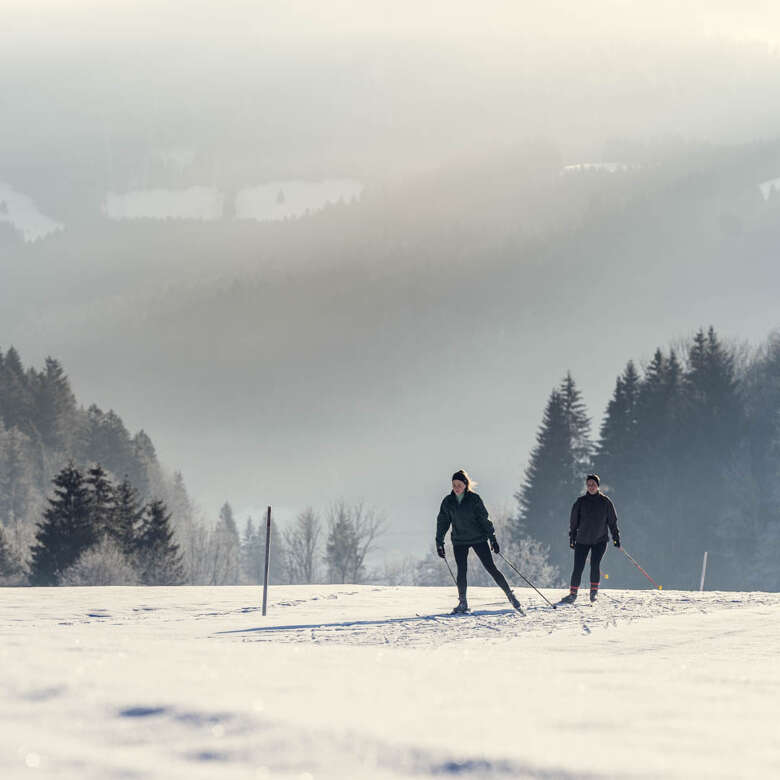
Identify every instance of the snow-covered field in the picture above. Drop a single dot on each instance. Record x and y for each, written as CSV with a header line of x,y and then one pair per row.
x,y
368,682
20,210
274,200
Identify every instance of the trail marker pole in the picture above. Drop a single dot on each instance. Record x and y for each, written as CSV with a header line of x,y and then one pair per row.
x,y
267,559
703,571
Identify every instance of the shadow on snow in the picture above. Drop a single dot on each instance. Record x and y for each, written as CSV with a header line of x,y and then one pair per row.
x,y
383,622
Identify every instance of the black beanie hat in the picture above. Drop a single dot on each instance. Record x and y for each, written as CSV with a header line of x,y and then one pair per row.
x,y
461,475
594,477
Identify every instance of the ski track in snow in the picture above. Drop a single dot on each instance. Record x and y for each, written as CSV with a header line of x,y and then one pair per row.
x,y
369,682
437,628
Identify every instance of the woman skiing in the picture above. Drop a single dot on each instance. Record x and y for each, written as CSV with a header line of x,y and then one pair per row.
x,y
471,527
592,515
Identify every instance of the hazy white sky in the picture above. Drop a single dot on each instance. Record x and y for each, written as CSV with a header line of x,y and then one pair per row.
x,y
61,22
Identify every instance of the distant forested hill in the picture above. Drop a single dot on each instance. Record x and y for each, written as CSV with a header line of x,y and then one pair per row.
x,y
43,427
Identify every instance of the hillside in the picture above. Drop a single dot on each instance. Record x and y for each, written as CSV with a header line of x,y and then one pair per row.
x,y
464,294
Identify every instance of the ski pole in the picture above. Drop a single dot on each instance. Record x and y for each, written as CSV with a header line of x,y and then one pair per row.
x,y
529,582
660,587
449,569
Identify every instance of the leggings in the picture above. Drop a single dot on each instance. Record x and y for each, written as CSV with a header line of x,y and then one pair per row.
x,y
483,553
580,554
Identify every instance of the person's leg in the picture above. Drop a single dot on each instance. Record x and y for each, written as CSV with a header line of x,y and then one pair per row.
x,y
461,559
483,553
580,556
596,554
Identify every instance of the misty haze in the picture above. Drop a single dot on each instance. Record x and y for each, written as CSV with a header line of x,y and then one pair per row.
x,y
321,256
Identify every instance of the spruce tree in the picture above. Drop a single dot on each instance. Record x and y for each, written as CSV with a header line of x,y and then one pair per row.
x,y
16,394
617,456
16,478
711,425
10,566
102,495
555,474
126,517
226,546
66,530
55,406
341,547
158,556
252,554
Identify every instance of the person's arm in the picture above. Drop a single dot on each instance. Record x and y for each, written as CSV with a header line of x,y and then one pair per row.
x,y
612,522
484,519
442,524
574,523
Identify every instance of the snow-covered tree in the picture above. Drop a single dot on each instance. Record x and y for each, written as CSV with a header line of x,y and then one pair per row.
x,y
102,564
302,547
352,533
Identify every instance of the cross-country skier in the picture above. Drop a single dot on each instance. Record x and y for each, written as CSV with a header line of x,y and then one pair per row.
x,y
592,515
471,528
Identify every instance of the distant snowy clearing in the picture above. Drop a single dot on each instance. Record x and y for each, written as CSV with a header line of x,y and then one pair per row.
x,y
361,681
274,200
20,210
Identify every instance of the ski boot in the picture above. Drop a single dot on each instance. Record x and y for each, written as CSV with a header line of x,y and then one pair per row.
x,y
462,607
571,598
514,602
594,592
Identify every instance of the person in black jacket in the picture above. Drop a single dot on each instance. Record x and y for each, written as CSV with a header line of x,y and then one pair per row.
x,y
471,528
592,516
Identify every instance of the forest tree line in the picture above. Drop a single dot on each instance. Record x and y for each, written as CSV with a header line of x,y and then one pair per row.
x,y
689,451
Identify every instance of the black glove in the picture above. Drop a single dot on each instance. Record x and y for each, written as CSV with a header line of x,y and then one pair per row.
x,y
616,541
572,540
494,545
440,550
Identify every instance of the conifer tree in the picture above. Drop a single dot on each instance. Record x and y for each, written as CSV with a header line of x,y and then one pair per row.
x,y
711,426
55,406
15,392
126,517
555,473
252,554
226,547
341,547
16,479
66,530
158,556
10,566
277,564
102,496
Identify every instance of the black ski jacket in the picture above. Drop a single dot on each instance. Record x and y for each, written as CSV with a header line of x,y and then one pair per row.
x,y
469,520
591,515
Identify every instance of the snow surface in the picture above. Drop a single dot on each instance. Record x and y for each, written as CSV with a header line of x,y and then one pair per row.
x,y
609,167
20,210
266,202
370,682
283,199
189,203
769,187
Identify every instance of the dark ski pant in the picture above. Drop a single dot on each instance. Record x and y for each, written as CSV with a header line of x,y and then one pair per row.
x,y
483,553
580,555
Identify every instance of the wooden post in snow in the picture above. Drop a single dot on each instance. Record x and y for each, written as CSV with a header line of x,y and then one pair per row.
x,y
703,571
267,559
